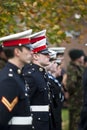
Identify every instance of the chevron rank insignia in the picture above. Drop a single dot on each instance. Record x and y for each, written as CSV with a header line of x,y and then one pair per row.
x,y
9,105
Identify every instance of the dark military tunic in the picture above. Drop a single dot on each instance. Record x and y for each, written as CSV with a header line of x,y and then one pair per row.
x,y
75,89
14,105
57,98
37,79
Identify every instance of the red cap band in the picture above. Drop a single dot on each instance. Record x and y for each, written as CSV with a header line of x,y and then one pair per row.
x,y
39,48
37,39
17,42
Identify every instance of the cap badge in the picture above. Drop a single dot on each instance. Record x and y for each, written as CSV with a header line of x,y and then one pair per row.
x,y
20,44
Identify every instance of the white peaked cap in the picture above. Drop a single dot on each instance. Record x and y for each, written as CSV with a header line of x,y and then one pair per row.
x,y
38,34
52,53
40,46
39,43
58,49
16,36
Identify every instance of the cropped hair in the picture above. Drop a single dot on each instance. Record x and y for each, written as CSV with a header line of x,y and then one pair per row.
x,y
9,51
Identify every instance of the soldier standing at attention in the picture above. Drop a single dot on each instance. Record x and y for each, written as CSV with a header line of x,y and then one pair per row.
x,y
14,100
37,78
75,87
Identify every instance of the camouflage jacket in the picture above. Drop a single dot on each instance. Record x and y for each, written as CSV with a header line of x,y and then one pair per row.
x,y
74,85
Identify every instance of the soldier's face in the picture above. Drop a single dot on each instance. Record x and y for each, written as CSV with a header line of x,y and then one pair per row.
x,y
25,56
43,59
81,60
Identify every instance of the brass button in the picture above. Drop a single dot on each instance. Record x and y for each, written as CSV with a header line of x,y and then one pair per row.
x,y
41,69
19,71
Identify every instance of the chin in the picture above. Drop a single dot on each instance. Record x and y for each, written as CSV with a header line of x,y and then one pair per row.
x,y
28,62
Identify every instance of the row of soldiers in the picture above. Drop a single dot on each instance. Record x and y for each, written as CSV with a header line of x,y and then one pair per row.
x,y
30,96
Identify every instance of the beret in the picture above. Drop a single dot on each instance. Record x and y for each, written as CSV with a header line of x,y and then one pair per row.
x,y
75,54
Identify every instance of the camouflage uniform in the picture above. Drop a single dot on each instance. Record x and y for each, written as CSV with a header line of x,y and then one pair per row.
x,y
74,85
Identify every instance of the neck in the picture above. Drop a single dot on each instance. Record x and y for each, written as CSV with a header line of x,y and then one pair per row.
x,y
36,62
77,63
16,62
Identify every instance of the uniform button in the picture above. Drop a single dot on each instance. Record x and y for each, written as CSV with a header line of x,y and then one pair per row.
x,y
44,88
41,69
33,69
38,118
31,114
32,127
29,72
10,70
26,94
49,114
19,71
10,75
23,74
53,96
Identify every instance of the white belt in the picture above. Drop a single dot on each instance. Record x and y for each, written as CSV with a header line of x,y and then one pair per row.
x,y
39,108
20,121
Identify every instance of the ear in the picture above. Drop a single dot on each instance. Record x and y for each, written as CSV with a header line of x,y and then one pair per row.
x,y
16,52
35,56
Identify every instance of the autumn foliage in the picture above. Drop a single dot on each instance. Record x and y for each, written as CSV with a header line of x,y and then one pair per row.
x,y
57,16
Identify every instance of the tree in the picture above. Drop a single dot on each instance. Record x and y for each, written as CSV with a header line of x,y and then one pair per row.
x,y
57,16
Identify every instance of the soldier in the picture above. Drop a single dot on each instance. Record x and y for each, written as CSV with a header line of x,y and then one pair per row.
x,y
75,87
63,77
14,100
54,70
37,78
